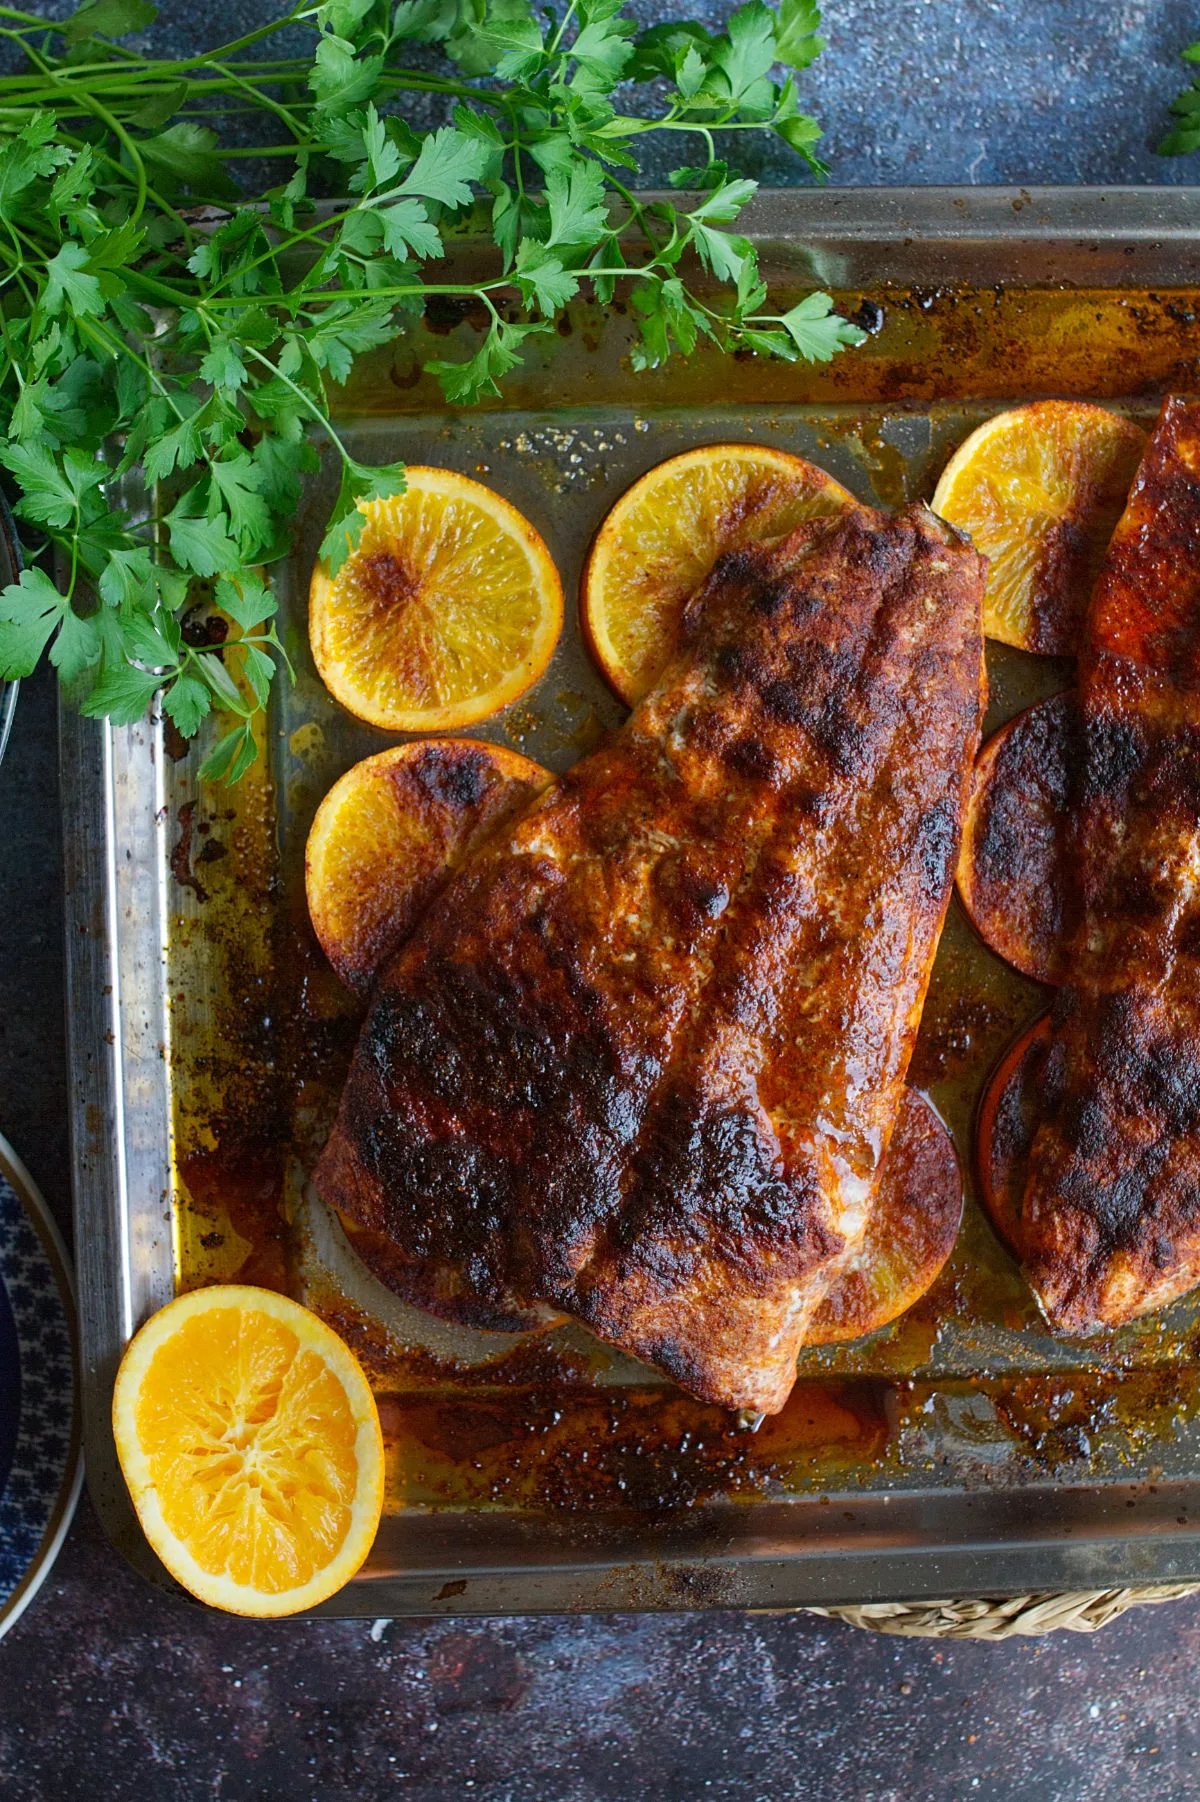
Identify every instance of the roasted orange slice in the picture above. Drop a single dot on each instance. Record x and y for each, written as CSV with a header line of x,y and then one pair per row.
x,y
1009,1116
1040,490
910,1234
391,830
665,533
1013,870
250,1442
447,610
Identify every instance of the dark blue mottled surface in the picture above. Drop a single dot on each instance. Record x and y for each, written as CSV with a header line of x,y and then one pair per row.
x,y
109,1691
1001,91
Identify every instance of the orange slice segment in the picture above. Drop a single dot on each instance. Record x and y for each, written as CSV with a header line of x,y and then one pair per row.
x,y
389,833
1013,870
910,1234
1009,1116
665,533
250,1442
1040,489
449,608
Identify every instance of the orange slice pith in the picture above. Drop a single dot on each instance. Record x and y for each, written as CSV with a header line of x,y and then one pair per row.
x,y
910,1234
250,1442
1040,489
1004,1129
1013,870
665,533
449,608
392,829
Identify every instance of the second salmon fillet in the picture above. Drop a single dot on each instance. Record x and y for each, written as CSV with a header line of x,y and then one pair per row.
x,y
1110,1224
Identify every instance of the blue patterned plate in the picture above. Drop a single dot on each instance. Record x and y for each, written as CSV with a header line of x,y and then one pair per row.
x,y
41,1467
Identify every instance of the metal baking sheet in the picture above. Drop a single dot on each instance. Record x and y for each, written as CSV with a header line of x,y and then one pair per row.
x,y
961,1451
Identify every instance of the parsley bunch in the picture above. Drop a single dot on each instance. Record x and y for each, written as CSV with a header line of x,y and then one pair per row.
x,y
158,330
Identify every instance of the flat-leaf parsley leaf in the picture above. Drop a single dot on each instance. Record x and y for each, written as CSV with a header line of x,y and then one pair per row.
x,y
158,334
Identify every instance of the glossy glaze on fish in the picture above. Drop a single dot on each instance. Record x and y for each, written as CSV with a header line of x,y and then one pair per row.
x,y
1110,1224
642,1063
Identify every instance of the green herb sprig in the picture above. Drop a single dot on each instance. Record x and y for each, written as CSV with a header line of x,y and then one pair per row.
x,y
1185,136
153,323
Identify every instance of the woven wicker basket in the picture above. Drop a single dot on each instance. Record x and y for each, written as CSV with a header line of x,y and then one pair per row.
x,y
1077,1611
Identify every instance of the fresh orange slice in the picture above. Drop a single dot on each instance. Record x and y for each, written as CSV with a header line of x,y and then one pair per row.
x,y
909,1236
250,1442
391,830
1014,867
447,610
1040,490
665,533
1009,1116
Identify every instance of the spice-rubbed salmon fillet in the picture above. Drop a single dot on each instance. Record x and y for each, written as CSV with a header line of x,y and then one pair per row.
x,y
642,1063
1111,1213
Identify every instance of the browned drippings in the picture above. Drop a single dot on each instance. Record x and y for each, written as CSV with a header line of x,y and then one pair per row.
x,y
538,1428
237,1189
951,1033
933,345
564,1449
1067,1418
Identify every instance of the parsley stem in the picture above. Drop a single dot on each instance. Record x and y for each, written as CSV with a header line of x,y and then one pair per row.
x,y
306,401
13,363
565,21
317,234
256,150
438,84
224,51
123,138
264,101
704,130
70,594
639,216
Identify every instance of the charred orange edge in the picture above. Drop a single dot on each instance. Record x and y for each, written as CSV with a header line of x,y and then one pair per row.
x,y
802,490
910,1235
1012,870
389,833
1040,488
1004,1129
